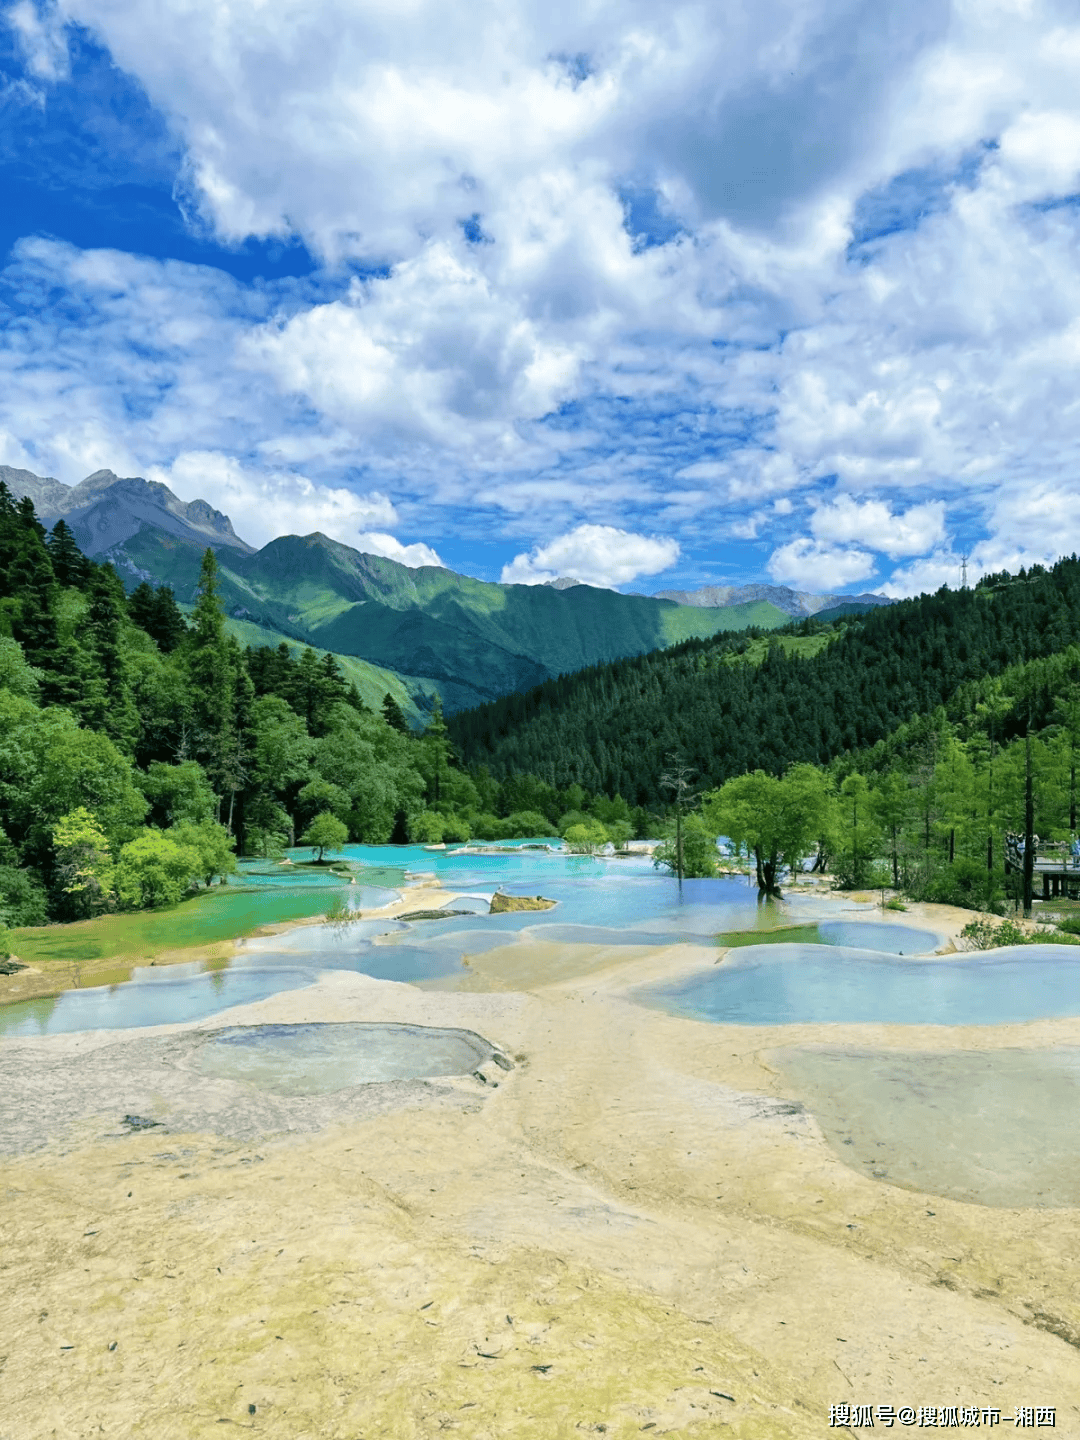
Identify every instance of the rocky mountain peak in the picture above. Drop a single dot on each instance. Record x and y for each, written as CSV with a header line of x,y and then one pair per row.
x,y
106,509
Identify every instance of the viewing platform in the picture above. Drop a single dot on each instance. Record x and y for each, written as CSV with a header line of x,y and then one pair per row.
x,y
1054,862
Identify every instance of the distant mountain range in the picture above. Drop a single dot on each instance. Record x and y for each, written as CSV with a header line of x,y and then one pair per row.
x,y
792,602
469,640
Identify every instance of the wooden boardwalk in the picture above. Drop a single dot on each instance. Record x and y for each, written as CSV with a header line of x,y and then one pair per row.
x,y
1059,877
1059,869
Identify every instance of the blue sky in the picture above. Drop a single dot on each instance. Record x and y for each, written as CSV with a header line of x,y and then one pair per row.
x,y
655,296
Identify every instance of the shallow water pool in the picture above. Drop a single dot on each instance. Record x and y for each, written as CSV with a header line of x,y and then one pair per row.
x,y
885,939
809,984
165,995
991,1127
315,1059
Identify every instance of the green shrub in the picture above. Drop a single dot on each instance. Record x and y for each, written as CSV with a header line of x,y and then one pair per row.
x,y
22,897
456,827
968,884
523,824
585,839
984,935
426,828
154,870
574,817
490,827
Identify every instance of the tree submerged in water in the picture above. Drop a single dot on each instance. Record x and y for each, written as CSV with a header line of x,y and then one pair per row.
x,y
779,820
326,832
697,851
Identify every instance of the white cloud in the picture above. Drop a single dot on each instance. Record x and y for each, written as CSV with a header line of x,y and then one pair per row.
x,y
595,554
927,575
873,524
560,375
265,505
821,569
432,352
42,37
414,555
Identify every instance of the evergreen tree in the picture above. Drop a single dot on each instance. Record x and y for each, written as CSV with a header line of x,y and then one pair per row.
x,y
107,702
210,665
393,714
27,578
157,612
70,565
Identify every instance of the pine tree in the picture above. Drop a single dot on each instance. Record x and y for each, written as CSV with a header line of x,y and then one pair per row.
x,y
157,612
107,703
210,664
393,714
70,565
29,580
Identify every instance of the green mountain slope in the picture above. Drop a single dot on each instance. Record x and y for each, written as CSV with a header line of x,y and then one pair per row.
x,y
471,639
613,726
372,681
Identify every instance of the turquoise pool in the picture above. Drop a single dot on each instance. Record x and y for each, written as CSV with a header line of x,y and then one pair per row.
x,y
809,984
853,973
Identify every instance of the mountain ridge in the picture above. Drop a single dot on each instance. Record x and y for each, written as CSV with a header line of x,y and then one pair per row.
x,y
106,509
472,640
792,602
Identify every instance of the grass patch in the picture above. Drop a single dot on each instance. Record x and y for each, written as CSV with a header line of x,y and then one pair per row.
x,y
782,935
225,913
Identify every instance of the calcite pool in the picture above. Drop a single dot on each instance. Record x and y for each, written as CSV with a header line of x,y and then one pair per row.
x,y
989,1127
316,1059
812,984
841,969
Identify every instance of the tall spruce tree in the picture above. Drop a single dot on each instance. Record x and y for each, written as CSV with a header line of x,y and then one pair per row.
x,y
210,664
107,702
70,565
393,714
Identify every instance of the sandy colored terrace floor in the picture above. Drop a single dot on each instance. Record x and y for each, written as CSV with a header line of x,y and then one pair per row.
x,y
636,1231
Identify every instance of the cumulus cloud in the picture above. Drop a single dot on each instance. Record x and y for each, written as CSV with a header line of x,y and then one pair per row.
x,y
267,504
414,555
432,352
595,554
925,576
809,565
873,524
783,266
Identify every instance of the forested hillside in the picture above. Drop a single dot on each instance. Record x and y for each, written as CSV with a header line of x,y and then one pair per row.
x,y
609,728
898,748
468,638
425,631
140,753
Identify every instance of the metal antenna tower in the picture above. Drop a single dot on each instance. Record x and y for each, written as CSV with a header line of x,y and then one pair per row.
x,y
963,572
